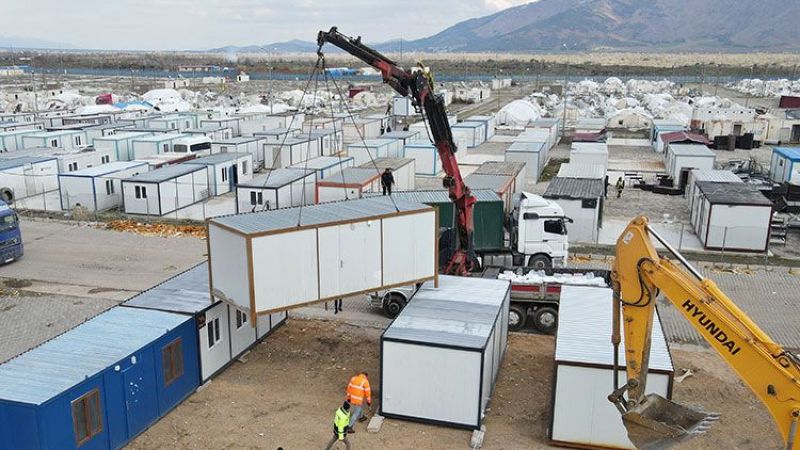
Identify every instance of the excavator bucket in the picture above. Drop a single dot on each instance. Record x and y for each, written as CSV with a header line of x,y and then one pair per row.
x,y
658,424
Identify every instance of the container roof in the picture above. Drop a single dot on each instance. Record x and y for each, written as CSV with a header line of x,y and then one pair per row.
x,y
792,153
315,215
575,170
468,124
238,140
21,161
522,146
105,169
321,162
461,312
420,143
277,178
384,163
575,188
219,158
275,131
584,330
546,121
508,168
690,150
590,147
186,293
166,173
496,183
718,176
732,193
46,371
122,135
372,143
400,134
161,137
684,136
441,196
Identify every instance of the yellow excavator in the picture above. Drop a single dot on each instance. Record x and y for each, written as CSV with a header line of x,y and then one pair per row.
x,y
653,422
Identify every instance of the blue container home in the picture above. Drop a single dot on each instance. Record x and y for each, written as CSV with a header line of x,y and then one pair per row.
x,y
100,384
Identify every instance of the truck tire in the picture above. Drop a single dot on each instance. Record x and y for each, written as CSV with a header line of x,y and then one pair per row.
x,y
540,262
517,316
393,304
545,320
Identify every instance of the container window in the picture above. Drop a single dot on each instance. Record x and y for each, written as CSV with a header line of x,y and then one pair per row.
x,y
104,159
241,319
87,420
213,332
109,187
54,143
224,174
172,359
244,167
72,167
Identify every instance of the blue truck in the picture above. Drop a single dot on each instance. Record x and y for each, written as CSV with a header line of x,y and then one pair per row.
x,y
10,237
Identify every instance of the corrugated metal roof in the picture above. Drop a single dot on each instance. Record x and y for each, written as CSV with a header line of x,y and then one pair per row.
x,y
372,143
219,158
716,176
105,169
690,150
507,168
44,372
482,195
277,178
316,215
575,188
353,175
186,293
461,312
496,183
684,136
21,161
575,170
166,173
386,162
584,330
792,153
732,193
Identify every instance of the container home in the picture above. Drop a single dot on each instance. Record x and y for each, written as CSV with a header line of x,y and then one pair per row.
x,y
513,169
250,145
552,125
55,139
211,132
289,151
173,122
590,125
154,145
120,143
426,156
658,126
325,166
582,201
589,153
684,157
165,159
234,123
473,132
100,384
17,126
223,332
679,137
370,149
278,134
502,185
356,129
165,190
581,415
12,140
402,169
490,122
441,355
27,176
97,188
331,141
98,131
327,252
350,183
402,107
784,166
404,137
279,188
226,170
716,176
533,154
70,160
732,216
254,123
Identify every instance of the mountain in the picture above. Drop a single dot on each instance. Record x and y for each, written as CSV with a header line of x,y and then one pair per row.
x,y
293,46
21,42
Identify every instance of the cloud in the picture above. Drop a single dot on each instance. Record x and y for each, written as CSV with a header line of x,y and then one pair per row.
x,y
498,5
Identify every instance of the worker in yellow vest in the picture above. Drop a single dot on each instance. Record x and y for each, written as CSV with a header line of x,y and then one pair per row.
x,y
358,391
341,422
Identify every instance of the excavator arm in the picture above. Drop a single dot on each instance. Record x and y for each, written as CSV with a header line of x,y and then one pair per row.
x,y
419,86
638,275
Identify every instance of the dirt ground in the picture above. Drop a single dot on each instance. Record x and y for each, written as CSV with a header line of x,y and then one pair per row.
x,y
286,393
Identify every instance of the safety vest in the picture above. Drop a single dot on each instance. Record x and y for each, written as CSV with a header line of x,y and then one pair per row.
x,y
341,420
358,389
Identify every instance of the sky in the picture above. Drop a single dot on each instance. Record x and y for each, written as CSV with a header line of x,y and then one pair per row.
x,y
203,24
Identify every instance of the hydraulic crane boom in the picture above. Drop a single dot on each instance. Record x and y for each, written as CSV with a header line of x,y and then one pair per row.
x,y
768,369
419,86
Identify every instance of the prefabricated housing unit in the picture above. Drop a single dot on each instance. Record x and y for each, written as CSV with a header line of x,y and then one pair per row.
x,y
325,166
402,106
70,160
165,190
120,143
680,157
289,151
223,332
403,136
590,124
679,137
441,355
716,176
173,122
225,171
55,139
581,415
350,183
234,123
582,200
552,125
250,145
502,185
211,132
490,122
732,216
27,176
513,169
403,171
278,134
533,154
658,126
473,132
100,384
97,188
12,140
784,167
279,188
589,153
355,129
426,156
253,123
154,145
370,149
326,252
331,141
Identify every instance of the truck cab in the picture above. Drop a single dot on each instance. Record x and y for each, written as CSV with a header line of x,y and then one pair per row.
x,y
541,232
10,236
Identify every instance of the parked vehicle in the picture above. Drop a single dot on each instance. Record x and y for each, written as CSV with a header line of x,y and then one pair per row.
x,y
10,236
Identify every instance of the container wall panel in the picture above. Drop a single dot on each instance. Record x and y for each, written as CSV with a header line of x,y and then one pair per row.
x,y
286,270
229,270
411,258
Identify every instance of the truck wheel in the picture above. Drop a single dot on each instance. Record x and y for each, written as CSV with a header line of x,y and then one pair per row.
x,y
540,262
517,316
545,320
393,305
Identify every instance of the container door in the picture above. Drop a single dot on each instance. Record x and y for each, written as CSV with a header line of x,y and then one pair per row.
x,y
233,177
140,393
795,133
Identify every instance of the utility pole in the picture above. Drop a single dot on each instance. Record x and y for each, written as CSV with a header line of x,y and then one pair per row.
x,y
564,115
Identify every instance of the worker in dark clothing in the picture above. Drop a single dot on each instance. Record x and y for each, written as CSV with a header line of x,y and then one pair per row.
x,y
341,422
387,180
620,186
605,193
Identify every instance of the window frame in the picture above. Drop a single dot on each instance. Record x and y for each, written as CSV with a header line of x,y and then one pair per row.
x,y
110,187
93,396
172,352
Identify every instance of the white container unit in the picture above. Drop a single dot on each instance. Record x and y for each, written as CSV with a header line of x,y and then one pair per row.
x,y
331,141
120,143
687,156
589,153
403,171
402,107
370,149
234,123
325,166
97,188
211,132
55,139
533,154
582,416
732,216
440,357
250,145
716,176
70,160
489,121
403,136
278,134
590,125
12,140
277,260
473,132
582,201
289,151
173,122
513,169
154,145
226,170
348,184
425,155
279,188
250,124
27,176
502,185
355,129
166,190
785,165
223,331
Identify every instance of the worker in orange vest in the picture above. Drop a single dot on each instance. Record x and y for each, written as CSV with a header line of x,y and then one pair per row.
x,y
358,391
